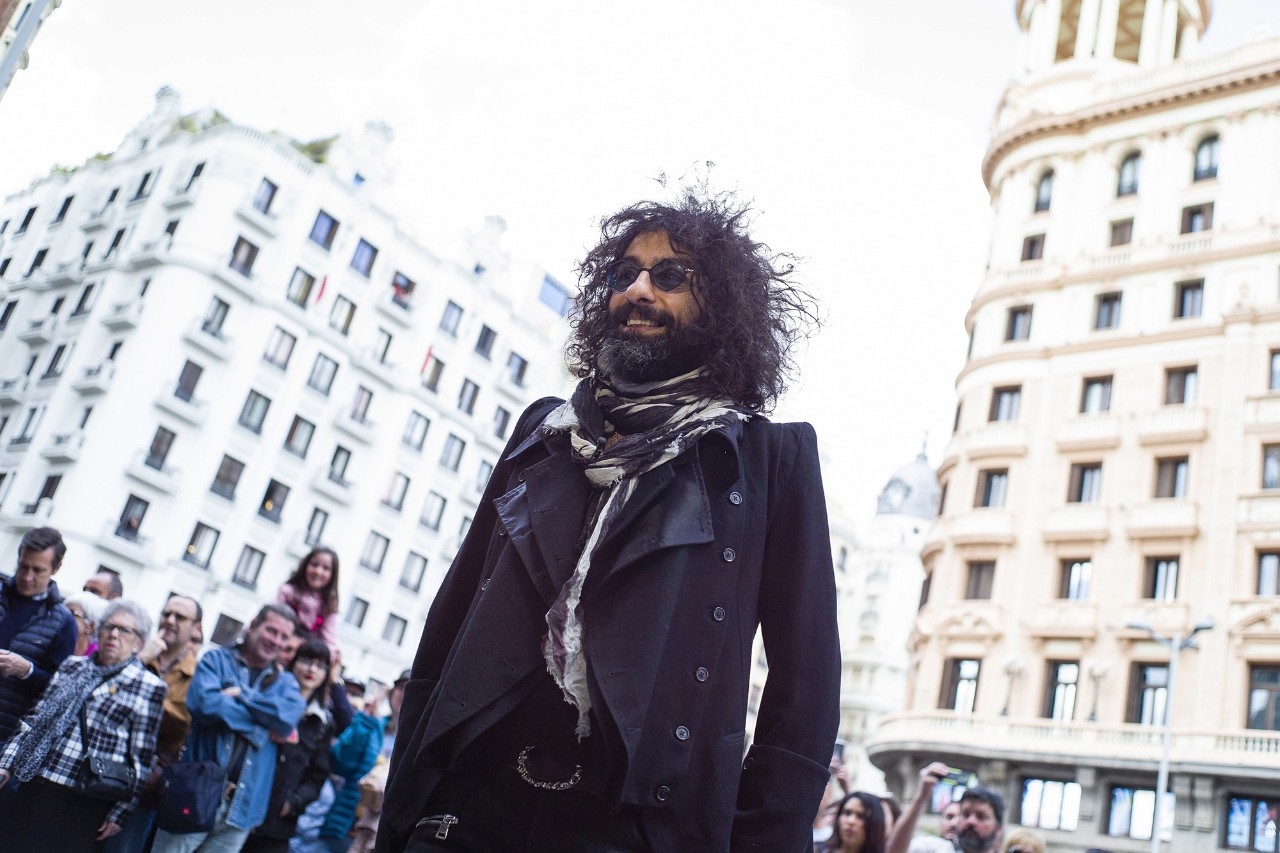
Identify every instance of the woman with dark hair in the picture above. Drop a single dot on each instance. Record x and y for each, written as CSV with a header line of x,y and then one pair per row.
x,y
302,761
860,826
312,592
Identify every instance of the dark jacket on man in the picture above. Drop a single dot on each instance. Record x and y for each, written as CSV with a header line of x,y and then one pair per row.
x,y
44,632
301,769
730,534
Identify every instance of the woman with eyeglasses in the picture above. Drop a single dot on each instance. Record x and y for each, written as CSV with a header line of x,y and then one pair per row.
x,y
87,608
302,760
860,824
1023,841
108,699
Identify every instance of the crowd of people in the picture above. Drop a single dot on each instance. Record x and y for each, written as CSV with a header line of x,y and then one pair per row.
x,y
118,738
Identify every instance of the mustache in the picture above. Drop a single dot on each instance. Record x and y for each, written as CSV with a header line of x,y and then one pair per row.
x,y
627,310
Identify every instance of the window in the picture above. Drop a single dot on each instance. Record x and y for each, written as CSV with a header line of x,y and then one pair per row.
x,y
1271,466
322,372
1188,299
161,443
226,630
6,314
37,262
396,491
315,527
28,425
382,345
960,685
248,567
57,362
402,289
501,421
1061,681
279,348
1049,804
464,527
452,318
362,261
1171,477
341,314
375,551
195,173
273,501
981,576
1086,483
415,568
1180,385
1148,693
356,612
1161,581
553,295
1005,403
1264,697
1197,218
1273,380
451,456
992,485
144,185
300,285
432,511
483,473
227,476
360,405
338,465
1122,232
393,632
254,412
1018,325
299,436
62,211
431,372
415,430
26,222
200,547
1033,247
1130,169
1044,192
1250,823
484,343
1206,159
214,317
323,230
1132,813
131,518
1075,579
1268,573
264,196
187,380
1106,311
242,256
517,365
4,266
467,396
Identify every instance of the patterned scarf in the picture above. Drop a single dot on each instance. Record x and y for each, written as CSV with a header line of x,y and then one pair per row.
x,y
617,432
46,728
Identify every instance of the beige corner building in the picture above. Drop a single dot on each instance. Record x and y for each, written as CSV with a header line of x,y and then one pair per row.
x,y
1114,474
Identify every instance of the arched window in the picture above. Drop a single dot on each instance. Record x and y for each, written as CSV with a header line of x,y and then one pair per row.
x,y
1207,158
1044,191
1130,168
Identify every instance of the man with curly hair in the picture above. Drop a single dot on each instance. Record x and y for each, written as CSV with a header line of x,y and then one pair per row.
x,y
582,680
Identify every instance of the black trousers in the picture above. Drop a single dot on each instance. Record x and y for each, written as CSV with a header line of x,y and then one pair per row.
x,y
48,817
488,808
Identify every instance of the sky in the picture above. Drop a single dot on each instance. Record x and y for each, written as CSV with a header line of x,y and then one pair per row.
x,y
855,127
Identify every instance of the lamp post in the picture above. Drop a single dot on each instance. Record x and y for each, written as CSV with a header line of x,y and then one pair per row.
x,y
1175,645
1097,672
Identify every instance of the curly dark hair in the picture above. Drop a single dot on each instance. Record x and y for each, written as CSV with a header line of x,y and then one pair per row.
x,y
752,310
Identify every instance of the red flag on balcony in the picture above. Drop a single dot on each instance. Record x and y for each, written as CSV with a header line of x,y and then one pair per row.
x,y
426,361
320,293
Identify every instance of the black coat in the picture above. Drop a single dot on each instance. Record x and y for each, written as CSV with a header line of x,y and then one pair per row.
x,y
730,535
38,642
301,769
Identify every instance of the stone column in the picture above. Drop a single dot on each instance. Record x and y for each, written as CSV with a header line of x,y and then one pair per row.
x,y
1108,20
1149,47
1051,11
1087,29
1168,32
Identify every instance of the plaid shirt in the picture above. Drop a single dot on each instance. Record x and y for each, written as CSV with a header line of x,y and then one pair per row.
x,y
123,717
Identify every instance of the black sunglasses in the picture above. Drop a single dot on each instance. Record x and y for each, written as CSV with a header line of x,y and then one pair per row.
x,y
666,275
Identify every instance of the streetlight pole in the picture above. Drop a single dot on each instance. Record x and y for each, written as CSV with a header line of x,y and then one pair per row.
x,y
1174,645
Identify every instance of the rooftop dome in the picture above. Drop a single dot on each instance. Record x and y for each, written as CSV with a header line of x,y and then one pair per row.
x,y
912,490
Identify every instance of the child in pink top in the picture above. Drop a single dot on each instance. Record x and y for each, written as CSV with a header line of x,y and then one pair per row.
x,y
312,592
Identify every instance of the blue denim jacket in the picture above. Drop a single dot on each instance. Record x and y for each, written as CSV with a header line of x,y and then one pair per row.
x,y
271,704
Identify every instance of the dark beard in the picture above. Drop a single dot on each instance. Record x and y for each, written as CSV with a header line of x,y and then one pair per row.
x,y
648,358
970,841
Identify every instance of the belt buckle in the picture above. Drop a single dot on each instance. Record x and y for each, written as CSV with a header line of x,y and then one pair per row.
x,y
522,767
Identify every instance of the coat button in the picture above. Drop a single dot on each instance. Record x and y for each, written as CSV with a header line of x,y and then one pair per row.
x,y
502,531
718,614
484,585
735,498
520,476
662,793
748,761
730,555
682,733
702,674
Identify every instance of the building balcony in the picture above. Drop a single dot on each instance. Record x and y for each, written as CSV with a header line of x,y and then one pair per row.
x,y
39,332
1173,424
1077,522
123,315
151,253
182,196
964,739
163,479
1160,519
12,390
37,512
1089,432
96,220
1262,411
986,525
1260,509
65,446
361,429
246,283
997,438
208,339
1063,619
338,489
1165,617
125,543
95,379
189,409
65,272
265,222
399,309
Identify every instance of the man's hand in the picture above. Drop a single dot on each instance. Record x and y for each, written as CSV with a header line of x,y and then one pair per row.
x,y
4,778
285,809
233,690
152,650
841,774
335,668
107,830
14,665
933,774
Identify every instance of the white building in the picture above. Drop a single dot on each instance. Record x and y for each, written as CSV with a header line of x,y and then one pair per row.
x,y
1116,455
217,352
20,20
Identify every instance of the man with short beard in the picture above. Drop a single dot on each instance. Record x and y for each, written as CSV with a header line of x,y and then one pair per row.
x,y
981,821
582,679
